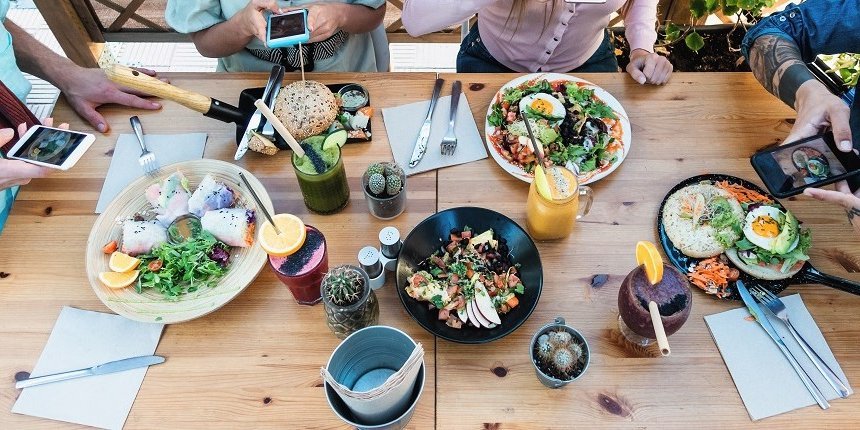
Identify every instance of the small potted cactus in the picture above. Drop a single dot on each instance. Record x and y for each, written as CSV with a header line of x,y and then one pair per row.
x,y
384,186
350,303
559,353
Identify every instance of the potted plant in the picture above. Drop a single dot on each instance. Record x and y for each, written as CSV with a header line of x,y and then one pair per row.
x,y
384,189
349,302
559,354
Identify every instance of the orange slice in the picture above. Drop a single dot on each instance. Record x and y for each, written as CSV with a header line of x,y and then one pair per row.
x,y
120,262
647,254
117,280
292,235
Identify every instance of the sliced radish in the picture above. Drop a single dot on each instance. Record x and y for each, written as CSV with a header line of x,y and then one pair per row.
x,y
484,305
476,313
471,315
463,314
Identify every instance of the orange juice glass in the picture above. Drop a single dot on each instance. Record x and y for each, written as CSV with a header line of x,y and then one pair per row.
x,y
554,217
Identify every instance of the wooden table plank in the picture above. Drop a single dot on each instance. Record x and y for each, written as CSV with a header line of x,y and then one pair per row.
x,y
698,123
254,363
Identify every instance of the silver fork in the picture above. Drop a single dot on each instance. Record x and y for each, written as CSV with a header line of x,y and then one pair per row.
x,y
449,142
146,159
777,307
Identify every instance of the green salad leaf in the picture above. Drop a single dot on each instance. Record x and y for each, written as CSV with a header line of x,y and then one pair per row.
x,y
497,118
185,267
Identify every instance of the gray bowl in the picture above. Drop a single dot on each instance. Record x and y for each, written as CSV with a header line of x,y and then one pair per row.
x,y
364,360
548,380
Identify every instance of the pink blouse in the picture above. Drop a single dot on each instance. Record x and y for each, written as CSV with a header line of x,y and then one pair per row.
x,y
536,41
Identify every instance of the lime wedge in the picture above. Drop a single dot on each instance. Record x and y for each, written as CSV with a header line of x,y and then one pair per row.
x,y
542,184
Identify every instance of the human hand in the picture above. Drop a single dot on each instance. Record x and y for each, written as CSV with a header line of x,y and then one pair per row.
x,y
87,89
324,19
251,20
648,67
817,108
842,197
17,172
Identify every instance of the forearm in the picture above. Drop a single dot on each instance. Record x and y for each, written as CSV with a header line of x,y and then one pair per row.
x,y
37,59
222,39
357,19
426,16
640,19
778,64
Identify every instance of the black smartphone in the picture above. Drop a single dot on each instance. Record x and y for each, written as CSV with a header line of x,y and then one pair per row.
x,y
812,162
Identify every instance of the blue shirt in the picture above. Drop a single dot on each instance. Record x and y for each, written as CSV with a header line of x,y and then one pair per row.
x,y
817,27
12,77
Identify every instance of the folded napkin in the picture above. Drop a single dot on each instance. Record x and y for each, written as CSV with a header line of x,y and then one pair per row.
x,y
402,123
83,339
767,383
124,168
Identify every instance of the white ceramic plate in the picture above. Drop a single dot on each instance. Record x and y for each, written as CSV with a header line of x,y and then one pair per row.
x,y
516,170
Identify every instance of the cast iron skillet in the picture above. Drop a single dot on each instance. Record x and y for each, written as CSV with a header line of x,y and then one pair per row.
x,y
213,108
807,275
428,236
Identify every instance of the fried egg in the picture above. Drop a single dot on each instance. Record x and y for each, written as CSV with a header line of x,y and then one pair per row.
x,y
762,226
543,103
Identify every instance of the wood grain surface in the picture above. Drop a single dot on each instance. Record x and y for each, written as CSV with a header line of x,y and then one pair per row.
x,y
254,363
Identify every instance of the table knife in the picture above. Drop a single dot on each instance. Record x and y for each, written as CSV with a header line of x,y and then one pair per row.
x,y
256,117
265,128
424,134
756,312
99,369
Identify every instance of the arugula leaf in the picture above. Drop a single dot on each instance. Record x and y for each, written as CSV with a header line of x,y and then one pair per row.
x,y
541,86
496,117
185,267
512,95
459,268
437,301
520,288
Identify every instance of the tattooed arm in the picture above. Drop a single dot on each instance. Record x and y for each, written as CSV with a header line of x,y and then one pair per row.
x,y
778,64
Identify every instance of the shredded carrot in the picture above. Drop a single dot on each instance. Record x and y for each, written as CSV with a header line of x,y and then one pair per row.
x,y
712,276
743,194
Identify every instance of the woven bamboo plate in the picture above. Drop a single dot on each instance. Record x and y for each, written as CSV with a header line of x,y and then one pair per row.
x,y
151,306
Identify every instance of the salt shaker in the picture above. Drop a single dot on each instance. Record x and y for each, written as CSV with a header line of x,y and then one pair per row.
x,y
368,258
390,244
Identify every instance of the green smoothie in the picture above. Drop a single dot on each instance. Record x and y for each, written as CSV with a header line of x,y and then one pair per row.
x,y
321,176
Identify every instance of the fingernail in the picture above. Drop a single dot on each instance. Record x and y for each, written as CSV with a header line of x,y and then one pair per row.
x,y
845,145
155,105
101,127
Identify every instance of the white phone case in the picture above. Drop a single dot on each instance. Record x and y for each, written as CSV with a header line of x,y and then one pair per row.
x,y
70,161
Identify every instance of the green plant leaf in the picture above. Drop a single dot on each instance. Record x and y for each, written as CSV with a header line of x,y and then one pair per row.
x,y
711,6
697,8
694,41
672,32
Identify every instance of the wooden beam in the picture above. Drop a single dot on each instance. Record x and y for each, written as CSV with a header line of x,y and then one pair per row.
x,y
146,36
125,15
64,22
396,3
88,18
394,26
398,37
139,19
677,11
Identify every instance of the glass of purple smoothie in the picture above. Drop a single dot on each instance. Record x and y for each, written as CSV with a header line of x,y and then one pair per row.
x,y
302,271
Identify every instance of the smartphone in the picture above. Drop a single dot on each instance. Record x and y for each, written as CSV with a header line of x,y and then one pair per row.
x,y
51,147
287,29
812,162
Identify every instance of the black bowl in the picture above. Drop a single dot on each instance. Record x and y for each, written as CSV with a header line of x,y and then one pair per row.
x,y
429,235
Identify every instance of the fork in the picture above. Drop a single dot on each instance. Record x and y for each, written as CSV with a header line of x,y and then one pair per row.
x,y
776,306
146,159
449,142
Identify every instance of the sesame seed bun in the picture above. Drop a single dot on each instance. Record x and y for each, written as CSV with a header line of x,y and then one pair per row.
x,y
306,108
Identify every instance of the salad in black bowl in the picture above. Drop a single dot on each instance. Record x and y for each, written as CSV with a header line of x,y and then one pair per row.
x,y
469,275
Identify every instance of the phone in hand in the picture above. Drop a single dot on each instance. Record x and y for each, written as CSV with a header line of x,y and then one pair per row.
x,y
287,29
51,147
812,162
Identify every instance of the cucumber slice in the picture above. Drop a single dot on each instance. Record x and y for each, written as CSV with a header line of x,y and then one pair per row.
x,y
337,138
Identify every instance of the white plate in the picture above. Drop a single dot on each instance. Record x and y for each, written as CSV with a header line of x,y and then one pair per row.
x,y
517,171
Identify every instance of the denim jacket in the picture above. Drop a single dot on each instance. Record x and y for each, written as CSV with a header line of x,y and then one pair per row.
x,y
817,27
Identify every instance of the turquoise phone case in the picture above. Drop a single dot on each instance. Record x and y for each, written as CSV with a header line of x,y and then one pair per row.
x,y
283,42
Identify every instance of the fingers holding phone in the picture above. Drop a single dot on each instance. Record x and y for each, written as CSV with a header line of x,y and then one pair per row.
x,y
49,147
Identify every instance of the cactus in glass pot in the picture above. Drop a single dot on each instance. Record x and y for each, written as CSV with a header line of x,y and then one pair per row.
x,y
349,302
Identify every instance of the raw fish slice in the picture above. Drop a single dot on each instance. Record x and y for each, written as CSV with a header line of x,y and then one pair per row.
x,y
210,195
170,198
234,227
140,237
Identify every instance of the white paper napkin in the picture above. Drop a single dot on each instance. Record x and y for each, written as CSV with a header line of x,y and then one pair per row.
x,y
767,383
83,339
168,149
402,123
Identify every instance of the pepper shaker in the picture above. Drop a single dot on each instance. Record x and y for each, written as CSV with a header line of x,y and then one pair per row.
x,y
390,244
368,258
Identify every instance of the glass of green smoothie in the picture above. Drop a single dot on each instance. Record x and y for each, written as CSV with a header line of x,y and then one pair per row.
x,y
321,175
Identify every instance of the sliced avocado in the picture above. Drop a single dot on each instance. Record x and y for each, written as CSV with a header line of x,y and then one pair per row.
x,y
787,238
547,134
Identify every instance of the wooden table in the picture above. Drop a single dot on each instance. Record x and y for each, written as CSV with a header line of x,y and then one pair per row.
x,y
255,362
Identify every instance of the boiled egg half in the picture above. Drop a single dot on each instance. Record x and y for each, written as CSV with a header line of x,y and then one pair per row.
x,y
544,104
762,226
